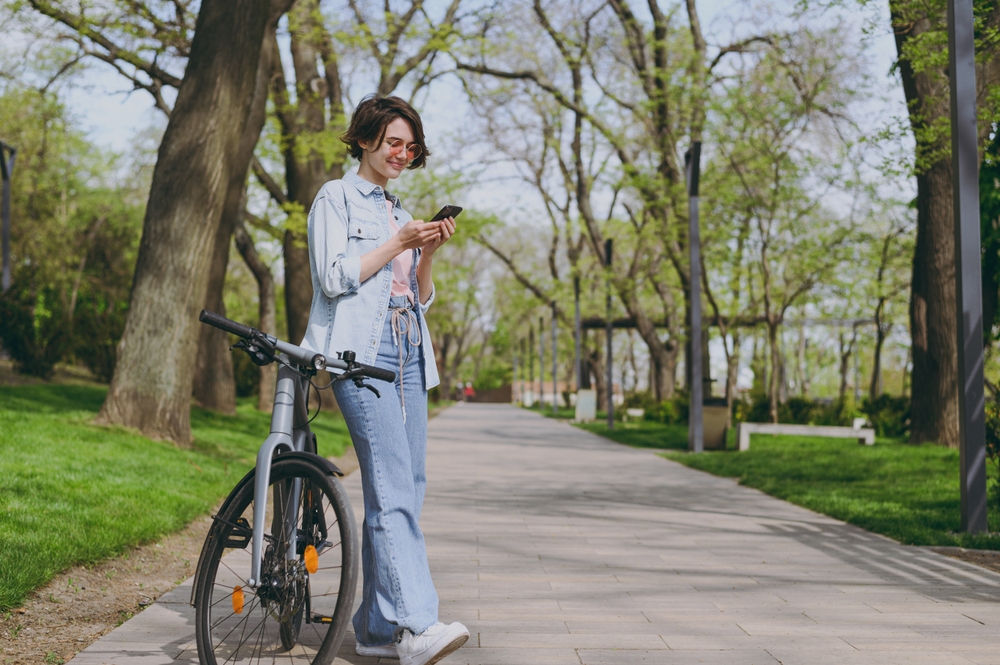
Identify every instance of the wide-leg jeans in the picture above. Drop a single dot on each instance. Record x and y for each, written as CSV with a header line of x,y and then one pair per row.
x,y
397,590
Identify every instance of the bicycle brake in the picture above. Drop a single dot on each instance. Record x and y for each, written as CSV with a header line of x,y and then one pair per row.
x,y
258,347
359,381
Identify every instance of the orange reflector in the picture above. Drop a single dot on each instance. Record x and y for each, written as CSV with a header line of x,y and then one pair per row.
x,y
312,559
238,600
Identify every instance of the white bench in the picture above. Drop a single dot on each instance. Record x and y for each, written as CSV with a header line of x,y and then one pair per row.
x,y
744,430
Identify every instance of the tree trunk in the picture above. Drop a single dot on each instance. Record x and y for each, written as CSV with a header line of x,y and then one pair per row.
x,y
776,373
875,386
845,364
214,385
599,375
266,308
151,386
732,375
934,400
305,167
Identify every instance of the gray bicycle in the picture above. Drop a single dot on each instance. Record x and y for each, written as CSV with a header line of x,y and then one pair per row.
x,y
278,570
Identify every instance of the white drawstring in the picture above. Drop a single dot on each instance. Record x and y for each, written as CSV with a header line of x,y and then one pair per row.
x,y
404,322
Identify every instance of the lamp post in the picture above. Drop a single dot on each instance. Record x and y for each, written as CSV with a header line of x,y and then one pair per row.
x,y
555,390
541,362
7,172
969,297
530,355
696,442
608,246
578,369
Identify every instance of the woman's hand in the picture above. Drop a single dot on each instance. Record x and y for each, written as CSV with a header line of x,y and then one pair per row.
x,y
418,233
447,230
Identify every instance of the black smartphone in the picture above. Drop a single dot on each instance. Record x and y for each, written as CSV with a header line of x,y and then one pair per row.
x,y
447,211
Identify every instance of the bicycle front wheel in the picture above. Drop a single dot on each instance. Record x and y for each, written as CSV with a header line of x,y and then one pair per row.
x,y
301,606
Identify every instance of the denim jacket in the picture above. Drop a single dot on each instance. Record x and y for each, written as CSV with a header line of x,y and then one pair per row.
x,y
348,219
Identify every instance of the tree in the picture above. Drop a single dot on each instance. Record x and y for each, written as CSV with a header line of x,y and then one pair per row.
x,y
921,44
151,387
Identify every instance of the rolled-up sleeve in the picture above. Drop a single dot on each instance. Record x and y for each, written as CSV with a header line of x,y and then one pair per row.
x,y
424,306
338,273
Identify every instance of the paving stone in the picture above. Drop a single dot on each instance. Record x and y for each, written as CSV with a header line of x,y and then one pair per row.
x,y
556,546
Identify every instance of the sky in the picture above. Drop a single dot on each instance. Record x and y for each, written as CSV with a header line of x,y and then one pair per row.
x,y
113,114
116,117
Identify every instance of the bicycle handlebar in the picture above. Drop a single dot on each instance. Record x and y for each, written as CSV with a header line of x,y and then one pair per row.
x,y
221,322
296,353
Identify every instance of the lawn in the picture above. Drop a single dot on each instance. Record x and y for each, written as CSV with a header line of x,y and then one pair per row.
x,y
642,434
907,492
72,492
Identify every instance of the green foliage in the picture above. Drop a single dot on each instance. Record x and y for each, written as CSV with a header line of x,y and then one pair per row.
x,y
797,410
909,493
246,375
72,492
889,415
33,328
74,238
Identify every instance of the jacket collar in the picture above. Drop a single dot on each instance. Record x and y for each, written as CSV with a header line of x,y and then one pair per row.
x,y
366,188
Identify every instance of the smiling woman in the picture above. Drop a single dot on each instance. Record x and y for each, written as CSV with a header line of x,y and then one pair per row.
x,y
372,284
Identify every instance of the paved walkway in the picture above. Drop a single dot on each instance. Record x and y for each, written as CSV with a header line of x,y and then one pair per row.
x,y
555,546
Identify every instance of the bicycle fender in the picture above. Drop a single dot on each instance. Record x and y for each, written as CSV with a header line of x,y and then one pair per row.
x,y
318,460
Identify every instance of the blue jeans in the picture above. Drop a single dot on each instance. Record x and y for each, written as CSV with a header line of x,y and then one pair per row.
x,y
397,589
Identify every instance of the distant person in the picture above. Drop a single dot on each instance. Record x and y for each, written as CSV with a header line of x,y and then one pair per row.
x,y
469,392
371,273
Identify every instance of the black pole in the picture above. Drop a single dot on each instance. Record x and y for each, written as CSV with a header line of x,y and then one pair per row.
x,y
541,362
514,391
696,443
7,172
608,245
531,362
576,334
969,297
555,348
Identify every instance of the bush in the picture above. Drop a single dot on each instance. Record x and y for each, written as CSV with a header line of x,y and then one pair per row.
x,y
98,324
889,415
797,410
670,411
33,329
246,375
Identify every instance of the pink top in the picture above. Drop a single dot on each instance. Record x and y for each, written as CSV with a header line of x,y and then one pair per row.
x,y
402,265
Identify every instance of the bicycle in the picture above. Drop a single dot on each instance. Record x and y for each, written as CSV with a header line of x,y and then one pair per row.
x,y
282,552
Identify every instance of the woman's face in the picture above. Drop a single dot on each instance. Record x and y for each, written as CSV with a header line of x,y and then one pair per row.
x,y
379,157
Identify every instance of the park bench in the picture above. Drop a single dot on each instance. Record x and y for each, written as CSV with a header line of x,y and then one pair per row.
x,y
744,430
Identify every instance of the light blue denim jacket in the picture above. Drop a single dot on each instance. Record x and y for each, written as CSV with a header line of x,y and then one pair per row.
x,y
348,219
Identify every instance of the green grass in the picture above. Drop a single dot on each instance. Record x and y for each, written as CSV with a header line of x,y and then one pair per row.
x,y
907,492
642,434
72,492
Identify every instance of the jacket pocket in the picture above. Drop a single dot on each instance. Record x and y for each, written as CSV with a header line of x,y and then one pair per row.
x,y
362,230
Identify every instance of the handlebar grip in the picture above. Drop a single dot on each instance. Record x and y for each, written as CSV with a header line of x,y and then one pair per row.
x,y
377,373
221,322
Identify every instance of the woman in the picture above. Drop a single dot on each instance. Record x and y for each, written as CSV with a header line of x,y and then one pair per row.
x,y
371,273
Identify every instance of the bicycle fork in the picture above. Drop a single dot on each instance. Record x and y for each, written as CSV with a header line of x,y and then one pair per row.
x,y
289,407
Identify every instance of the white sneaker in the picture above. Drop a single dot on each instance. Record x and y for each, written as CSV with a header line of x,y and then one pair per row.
x,y
380,651
431,645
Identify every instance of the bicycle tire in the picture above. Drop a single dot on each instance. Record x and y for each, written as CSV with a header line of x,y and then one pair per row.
x,y
291,615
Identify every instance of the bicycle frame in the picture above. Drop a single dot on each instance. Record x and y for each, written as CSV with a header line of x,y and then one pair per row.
x,y
289,407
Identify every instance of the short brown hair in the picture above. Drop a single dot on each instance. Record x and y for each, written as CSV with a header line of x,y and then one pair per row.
x,y
370,120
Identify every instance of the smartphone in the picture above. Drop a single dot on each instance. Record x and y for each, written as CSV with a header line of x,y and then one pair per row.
x,y
447,211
